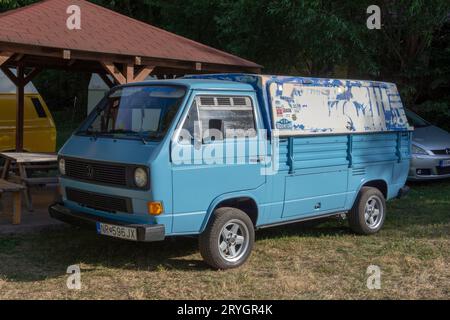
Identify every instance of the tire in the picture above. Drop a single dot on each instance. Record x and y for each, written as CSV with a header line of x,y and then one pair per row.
x,y
228,239
369,212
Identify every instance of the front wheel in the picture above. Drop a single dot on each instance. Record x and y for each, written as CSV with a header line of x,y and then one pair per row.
x,y
228,240
369,212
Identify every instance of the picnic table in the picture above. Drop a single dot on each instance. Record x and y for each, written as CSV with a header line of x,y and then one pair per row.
x,y
25,163
15,189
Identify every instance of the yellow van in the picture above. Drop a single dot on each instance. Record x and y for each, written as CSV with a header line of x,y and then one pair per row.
x,y
39,127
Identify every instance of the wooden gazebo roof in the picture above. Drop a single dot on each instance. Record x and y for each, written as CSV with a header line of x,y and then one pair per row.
x,y
37,36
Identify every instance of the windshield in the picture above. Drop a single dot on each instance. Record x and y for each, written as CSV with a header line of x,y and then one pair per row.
x,y
415,120
141,112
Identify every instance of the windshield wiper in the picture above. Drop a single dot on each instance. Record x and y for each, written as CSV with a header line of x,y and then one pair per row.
x,y
130,133
121,131
92,133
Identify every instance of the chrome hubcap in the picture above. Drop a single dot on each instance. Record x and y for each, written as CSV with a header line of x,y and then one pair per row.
x,y
233,240
373,213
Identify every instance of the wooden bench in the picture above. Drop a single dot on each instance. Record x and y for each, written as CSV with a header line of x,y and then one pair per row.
x,y
19,168
32,182
15,189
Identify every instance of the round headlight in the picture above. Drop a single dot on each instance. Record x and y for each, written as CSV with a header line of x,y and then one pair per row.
x,y
62,166
140,177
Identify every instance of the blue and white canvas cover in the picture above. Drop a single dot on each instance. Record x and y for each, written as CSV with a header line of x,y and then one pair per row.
x,y
305,106
300,106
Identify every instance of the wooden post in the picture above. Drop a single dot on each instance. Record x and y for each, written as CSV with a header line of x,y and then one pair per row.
x,y
143,74
17,208
129,72
127,75
20,80
20,98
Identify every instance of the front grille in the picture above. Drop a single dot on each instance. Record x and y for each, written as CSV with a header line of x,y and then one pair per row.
x,y
441,152
105,173
99,201
443,170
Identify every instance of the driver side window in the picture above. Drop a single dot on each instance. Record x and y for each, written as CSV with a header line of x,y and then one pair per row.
x,y
217,118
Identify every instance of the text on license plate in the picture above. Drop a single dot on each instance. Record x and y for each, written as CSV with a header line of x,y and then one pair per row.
x,y
117,231
445,163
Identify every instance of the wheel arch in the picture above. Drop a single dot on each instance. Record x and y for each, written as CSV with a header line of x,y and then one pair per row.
x,y
379,184
242,201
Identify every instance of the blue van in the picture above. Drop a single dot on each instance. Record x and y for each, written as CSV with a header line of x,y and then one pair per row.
x,y
220,156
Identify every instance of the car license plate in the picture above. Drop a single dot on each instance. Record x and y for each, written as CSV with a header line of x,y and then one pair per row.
x,y
445,163
120,232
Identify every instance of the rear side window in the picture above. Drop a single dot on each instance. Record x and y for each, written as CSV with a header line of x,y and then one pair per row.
x,y
230,116
39,108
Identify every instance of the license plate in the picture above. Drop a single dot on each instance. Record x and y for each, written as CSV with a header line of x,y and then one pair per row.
x,y
120,232
445,163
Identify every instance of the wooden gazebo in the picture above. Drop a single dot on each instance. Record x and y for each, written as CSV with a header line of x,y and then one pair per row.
x,y
36,37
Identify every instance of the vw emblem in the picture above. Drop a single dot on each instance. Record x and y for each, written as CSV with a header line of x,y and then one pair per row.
x,y
90,172
448,150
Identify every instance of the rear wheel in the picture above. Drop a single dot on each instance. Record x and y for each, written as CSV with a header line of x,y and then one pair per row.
x,y
228,240
369,212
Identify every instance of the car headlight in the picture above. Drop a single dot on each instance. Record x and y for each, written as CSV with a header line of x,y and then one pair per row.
x,y
62,166
418,150
140,177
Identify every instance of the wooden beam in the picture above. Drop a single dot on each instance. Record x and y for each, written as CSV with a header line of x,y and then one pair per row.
x,y
4,56
10,75
114,72
19,57
106,80
143,73
189,66
32,74
129,72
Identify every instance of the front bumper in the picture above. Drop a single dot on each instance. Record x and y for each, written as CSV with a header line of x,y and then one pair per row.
x,y
429,167
145,233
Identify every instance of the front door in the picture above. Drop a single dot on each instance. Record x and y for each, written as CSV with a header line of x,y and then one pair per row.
x,y
215,152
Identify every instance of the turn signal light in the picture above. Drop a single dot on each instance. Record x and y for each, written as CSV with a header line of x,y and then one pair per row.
x,y
155,208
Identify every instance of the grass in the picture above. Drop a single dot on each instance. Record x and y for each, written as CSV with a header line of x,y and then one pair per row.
x,y
291,262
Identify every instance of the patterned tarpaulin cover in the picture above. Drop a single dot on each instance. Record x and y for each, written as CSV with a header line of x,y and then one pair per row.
x,y
311,106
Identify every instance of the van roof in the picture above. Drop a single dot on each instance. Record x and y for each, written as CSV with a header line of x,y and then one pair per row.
x,y
286,79
201,84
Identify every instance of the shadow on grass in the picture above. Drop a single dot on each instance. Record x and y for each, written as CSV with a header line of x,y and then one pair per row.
x,y
48,254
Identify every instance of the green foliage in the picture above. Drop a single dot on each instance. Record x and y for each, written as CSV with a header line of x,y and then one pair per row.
x,y
437,112
13,4
315,37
